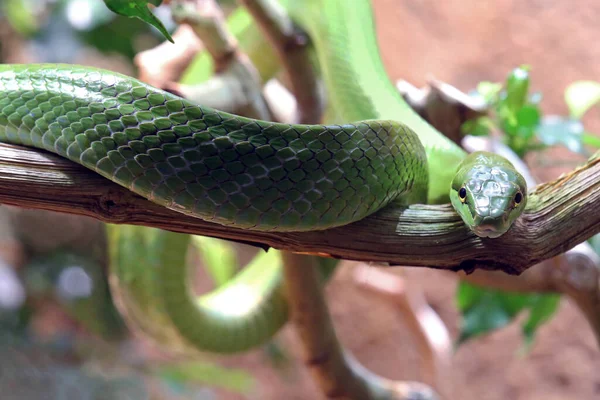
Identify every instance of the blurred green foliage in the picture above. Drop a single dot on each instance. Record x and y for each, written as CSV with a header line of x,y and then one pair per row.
x,y
514,112
485,310
517,115
80,286
203,373
21,14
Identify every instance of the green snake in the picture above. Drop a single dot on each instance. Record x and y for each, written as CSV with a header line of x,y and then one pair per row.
x,y
252,174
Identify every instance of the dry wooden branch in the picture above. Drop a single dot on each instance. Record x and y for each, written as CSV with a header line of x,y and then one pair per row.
x,y
163,65
237,86
442,105
559,215
291,46
428,331
336,372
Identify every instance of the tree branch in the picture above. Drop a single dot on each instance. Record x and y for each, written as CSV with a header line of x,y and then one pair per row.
x,y
442,105
559,215
430,335
206,18
237,83
163,65
292,49
337,373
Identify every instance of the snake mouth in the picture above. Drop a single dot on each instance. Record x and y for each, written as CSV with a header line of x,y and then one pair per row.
x,y
489,227
487,231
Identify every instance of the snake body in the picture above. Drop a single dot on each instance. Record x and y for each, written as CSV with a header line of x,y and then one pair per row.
x,y
213,165
256,174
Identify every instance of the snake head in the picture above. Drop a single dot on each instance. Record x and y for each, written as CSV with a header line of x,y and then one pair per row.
x,y
488,193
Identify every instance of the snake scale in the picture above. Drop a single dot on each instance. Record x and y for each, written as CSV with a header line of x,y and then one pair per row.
x,y
255,174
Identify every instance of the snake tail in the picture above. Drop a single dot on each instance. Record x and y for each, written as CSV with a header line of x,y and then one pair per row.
x,y
150,275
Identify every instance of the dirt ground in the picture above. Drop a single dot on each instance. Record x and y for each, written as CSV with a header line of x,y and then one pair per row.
x,y
463,42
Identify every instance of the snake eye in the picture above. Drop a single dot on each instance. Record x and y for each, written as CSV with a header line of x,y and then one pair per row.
x,y
518,198
462,194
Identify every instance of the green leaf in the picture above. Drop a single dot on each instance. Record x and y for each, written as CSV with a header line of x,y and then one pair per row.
x,y
517,86
485,315
506,119
467,296
20,17
542,308
528,116
486,310
489,91
590,139
555,129
219,258
139,9
522,129
236,380
528,119
481,126
580,96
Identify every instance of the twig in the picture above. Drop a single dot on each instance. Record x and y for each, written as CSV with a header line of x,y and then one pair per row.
x,y
229,91
338,374
291,46
430,333
206,19
578,276
445,107
164,64
237,83
282,103
559,215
